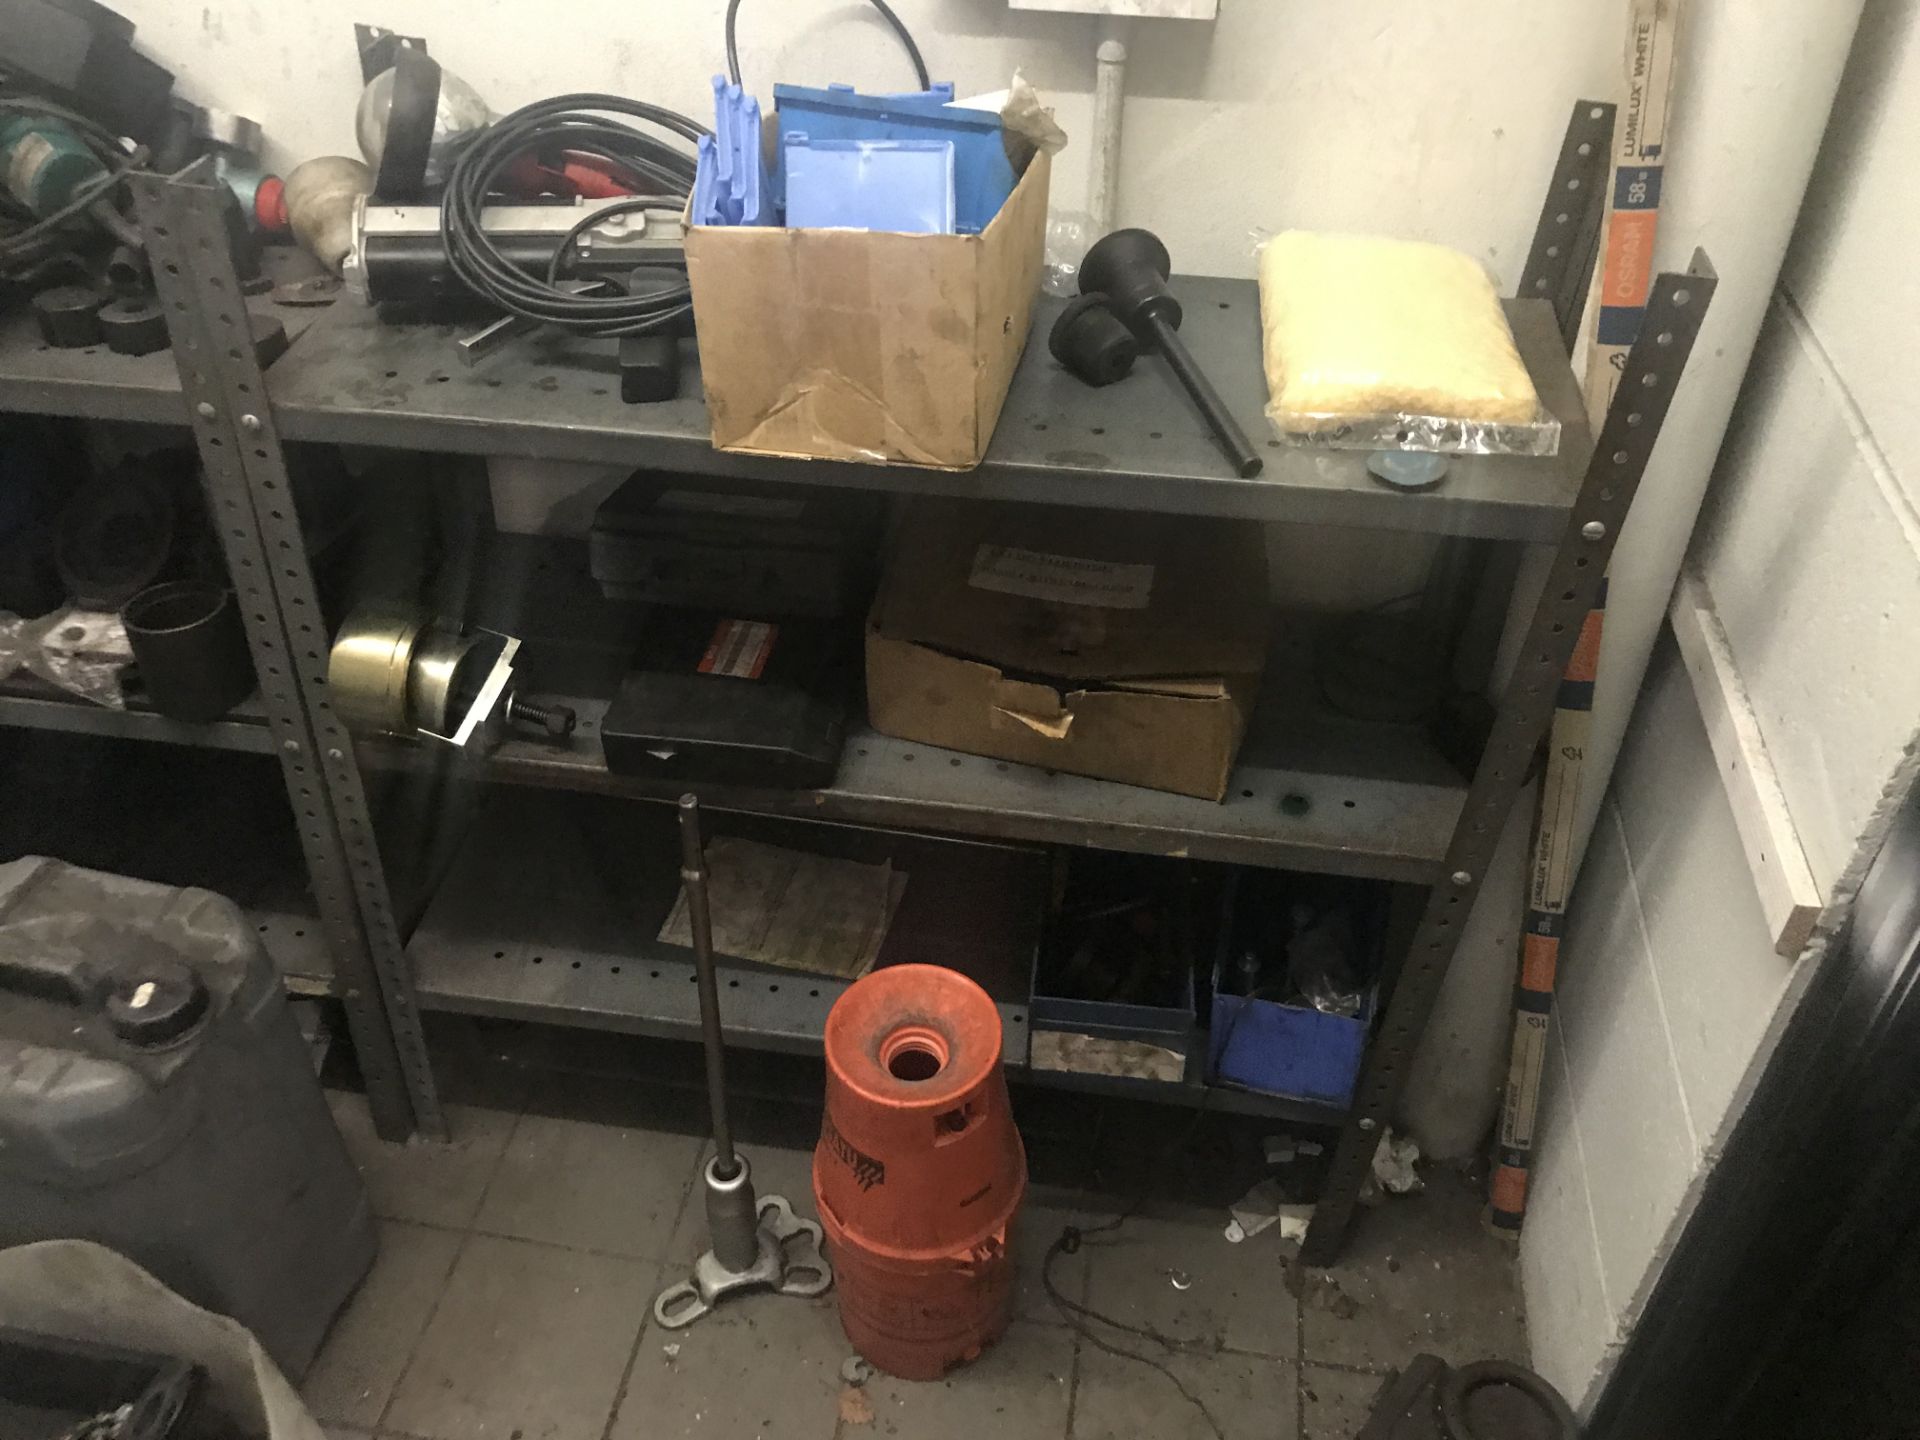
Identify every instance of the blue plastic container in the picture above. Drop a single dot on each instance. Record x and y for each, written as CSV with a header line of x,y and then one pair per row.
x,y
731,185
1287,1049
1276,1048
983,176
904,186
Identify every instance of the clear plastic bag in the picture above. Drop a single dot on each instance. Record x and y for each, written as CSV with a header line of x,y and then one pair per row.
x,y
1321,960
1432,433
81,651
1381,344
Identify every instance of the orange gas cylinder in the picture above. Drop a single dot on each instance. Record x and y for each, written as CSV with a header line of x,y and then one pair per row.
x,y
919,1171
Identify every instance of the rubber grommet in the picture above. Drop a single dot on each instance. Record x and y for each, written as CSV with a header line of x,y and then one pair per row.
x,y
1460,1382
134,327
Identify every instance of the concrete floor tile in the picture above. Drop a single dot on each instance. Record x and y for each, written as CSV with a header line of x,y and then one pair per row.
x,y
1236,1296
1421,1273
529,1343
763,1366
1251,1396
367,1348
1338,1402
427,1182
1018,1390
596,1187
1033,1234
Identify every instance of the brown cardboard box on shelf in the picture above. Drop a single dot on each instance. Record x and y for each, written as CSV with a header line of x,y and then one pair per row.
x,y
862,345
1116,644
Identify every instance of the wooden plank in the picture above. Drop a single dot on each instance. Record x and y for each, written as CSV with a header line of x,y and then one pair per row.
x,y
1789,896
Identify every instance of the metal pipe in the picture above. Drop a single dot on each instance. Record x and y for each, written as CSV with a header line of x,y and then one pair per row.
x,y
1109,104
693,874
1233,440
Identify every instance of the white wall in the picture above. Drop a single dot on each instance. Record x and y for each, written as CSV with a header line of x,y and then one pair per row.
x,y
1434,121
1810,544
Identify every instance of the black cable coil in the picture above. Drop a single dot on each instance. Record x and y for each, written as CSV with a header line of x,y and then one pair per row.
x,y
581,123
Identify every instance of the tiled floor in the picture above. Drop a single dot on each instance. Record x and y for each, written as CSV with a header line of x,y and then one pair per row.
x,y
518,1265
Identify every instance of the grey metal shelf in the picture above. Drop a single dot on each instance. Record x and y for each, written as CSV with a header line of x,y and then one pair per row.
x,y
1314,789
1386,817
94,383
91,383
1136,445
548,915
28,703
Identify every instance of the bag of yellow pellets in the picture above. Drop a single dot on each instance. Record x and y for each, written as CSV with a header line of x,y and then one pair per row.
x,y
1380,344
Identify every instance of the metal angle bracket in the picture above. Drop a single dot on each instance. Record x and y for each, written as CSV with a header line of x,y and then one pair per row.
x,y
1675,309
1566,242
252,505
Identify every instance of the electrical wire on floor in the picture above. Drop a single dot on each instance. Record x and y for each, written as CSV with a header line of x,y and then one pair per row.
x,y
1071,1237
33,247
886,13
585,124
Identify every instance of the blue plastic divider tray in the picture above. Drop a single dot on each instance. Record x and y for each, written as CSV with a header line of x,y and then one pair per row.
x,y
904,186
983,176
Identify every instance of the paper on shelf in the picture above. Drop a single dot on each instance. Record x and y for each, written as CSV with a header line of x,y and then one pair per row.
x,y
793,910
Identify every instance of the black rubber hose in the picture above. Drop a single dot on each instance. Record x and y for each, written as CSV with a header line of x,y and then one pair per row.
x,y
886,13
581,123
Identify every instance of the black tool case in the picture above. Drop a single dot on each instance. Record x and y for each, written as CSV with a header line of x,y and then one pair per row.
x,y
717,699
755,549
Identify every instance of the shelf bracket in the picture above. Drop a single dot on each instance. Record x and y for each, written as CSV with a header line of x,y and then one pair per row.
x,y
251,504
1566,242
1675,310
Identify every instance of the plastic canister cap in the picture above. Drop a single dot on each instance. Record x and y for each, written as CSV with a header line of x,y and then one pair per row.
x,y
155,1001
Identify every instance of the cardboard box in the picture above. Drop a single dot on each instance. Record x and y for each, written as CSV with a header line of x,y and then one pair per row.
x,y
1121,645
869,346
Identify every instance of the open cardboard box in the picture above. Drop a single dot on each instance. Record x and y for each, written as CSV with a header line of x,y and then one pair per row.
x,y
1121,645
866,345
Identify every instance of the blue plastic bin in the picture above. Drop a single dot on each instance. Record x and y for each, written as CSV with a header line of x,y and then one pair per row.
x,y
731,183
983,176
1287,1049
1281,1049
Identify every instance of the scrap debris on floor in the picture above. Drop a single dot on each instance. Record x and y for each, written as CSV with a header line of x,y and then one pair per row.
x,y
513,1293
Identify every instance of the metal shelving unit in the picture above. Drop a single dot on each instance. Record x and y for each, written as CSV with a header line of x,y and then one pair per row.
x,y
1378,801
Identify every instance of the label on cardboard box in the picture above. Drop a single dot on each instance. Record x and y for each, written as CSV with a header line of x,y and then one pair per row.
x,y
739,648
1061,579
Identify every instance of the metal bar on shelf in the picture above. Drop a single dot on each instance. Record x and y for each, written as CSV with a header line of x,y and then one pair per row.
x,y
250,501
1653,372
